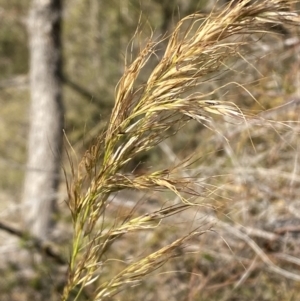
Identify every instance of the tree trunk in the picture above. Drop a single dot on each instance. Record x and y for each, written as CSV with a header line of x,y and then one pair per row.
x,y
46,116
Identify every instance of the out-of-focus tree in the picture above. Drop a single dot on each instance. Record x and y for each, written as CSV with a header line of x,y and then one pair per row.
x,y
46,115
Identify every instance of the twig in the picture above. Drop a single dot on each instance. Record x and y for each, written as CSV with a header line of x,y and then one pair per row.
x,y
42,246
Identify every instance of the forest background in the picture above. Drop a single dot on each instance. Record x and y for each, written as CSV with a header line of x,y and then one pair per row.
x,y
252,170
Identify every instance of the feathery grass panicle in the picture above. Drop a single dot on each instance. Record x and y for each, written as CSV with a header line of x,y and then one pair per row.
x,y
145,115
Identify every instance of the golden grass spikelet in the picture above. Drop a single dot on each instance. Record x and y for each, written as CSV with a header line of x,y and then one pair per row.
x,y
145,115
135,272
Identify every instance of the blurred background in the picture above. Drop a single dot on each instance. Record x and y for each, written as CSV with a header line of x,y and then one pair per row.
x,y
253,252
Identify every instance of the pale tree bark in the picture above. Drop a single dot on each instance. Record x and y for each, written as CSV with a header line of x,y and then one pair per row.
x,y
46,116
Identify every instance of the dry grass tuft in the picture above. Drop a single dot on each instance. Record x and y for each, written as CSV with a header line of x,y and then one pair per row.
x,y
144,116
